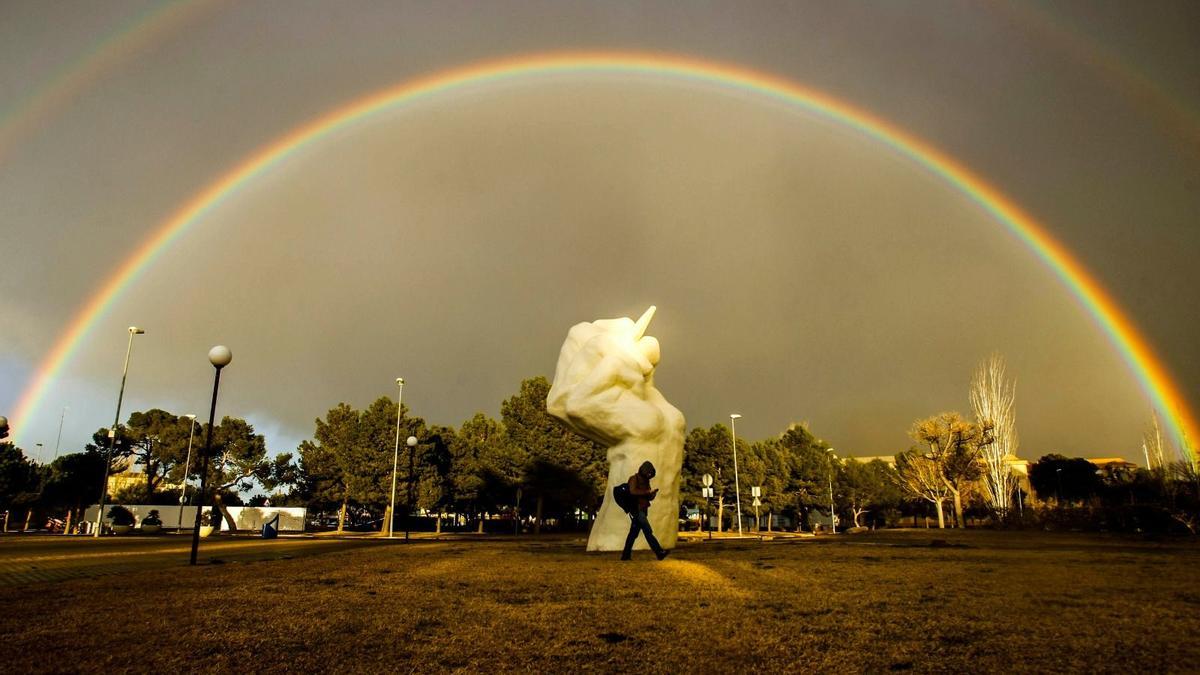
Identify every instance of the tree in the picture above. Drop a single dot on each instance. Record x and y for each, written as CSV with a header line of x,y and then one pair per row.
x,y
73,480
866,486
352,455
767,467
239,460
992,398
326,461
18,477
954,447
920,476
474,452
117,449
368,463
436,476
708,451
319,482
1154,447
1066,479
809,467
548,441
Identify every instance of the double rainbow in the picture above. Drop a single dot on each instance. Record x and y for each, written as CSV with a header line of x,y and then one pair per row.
x,y
1134,348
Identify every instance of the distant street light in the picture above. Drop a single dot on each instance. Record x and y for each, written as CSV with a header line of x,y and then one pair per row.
x,y
187,469
395,457
219,357
40,449
412,444
737,492
112,433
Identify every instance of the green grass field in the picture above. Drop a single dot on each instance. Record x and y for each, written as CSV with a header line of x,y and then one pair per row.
x,y
983,601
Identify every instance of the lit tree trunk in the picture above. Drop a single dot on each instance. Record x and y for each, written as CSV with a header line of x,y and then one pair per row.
x,y
941,515
537,521
481,516
720,514
438,527
342,515
220,504
958,513
769,516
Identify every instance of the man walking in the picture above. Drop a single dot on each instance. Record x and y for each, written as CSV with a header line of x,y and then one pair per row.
x,y
639,489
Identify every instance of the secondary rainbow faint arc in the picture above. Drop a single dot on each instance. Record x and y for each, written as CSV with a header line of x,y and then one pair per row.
x,y
136,35
1134,348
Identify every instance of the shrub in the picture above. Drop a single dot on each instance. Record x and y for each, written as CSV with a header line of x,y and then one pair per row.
x,y
152,519
119,515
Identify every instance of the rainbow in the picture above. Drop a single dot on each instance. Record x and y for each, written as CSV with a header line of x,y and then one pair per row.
x,y
1133,347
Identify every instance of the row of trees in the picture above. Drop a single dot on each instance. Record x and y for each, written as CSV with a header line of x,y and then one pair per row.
x,y
969,464
957,458
484,466
526,462
164,446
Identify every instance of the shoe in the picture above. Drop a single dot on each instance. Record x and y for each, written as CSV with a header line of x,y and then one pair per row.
x,y
625,557
663,554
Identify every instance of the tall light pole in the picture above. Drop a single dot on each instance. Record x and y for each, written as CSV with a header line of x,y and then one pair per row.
x,y
187,469
832,513
219,356
412,444
737,491
395,457
61,419
112,433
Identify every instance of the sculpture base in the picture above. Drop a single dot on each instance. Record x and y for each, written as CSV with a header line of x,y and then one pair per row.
x,y
612,523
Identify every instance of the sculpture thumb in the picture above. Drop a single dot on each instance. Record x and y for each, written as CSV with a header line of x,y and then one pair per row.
x,y
639,329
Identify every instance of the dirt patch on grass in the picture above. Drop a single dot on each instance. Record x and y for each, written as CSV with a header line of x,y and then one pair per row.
x,y
887,602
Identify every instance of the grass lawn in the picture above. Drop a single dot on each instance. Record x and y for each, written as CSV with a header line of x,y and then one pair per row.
x,y
985,601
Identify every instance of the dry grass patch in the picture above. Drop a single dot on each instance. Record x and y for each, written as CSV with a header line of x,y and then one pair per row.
x,y
988,601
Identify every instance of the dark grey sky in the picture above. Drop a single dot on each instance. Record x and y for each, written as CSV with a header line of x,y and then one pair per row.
x,y
802,271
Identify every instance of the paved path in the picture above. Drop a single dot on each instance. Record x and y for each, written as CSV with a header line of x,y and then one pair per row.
x,y
28,559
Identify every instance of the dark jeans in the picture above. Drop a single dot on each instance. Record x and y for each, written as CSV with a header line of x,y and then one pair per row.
x,y
638,523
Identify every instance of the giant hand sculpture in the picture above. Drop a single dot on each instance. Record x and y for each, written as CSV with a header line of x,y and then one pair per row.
x,y
604,389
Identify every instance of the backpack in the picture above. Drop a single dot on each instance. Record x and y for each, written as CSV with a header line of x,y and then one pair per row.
x,y
624,499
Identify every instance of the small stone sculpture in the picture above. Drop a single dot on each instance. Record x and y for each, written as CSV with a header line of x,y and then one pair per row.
x,y
604,389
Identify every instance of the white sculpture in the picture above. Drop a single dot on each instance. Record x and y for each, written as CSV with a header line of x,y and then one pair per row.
x,y
604,389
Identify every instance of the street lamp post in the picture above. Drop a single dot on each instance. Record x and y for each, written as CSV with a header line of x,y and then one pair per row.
x,y
737,492
112,433
187,469
411,442
707,493
395,457
832,512
62,418
756,492
219,357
